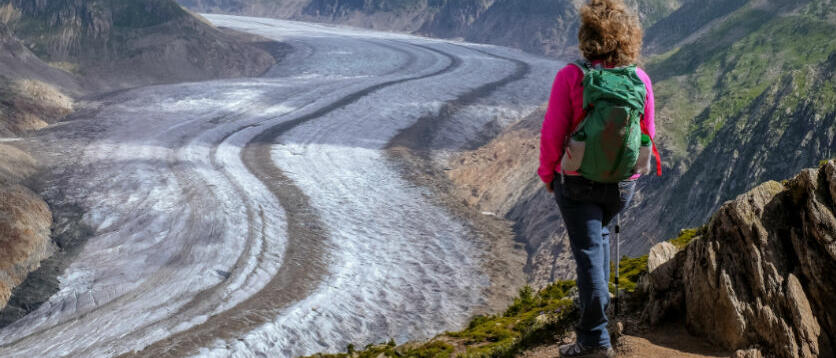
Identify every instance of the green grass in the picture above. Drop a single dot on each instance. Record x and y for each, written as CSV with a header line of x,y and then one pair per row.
x,y
631,269
686,236
525,321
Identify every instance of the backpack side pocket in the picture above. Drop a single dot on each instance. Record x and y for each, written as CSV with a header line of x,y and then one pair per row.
x,y
573,155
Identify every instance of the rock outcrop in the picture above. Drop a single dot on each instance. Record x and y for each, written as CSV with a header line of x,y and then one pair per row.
x,y
763,273
25,222
28,104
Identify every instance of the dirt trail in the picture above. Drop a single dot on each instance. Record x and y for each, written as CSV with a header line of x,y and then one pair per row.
x,y
664,342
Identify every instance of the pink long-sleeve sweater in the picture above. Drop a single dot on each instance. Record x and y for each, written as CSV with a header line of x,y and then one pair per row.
x,y
566,107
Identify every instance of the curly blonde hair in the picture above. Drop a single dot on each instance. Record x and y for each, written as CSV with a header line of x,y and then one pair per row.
x,y
610,32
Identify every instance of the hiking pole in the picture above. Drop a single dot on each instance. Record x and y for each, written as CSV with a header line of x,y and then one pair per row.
x,y
617,258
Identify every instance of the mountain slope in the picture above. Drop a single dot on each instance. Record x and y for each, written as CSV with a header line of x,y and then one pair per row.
x,y
687,21
538,26
30,90
112,45
749,101
18,62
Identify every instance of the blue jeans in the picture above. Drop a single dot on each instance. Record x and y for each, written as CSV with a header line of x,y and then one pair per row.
x,y
587,208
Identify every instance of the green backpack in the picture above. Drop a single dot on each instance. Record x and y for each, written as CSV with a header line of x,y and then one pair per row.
x,y
613,102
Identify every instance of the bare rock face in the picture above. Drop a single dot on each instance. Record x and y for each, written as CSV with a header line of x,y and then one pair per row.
x,y
25,222
661,263
660,254
764,272
663,284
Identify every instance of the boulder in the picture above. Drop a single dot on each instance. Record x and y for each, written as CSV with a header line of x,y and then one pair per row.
x,y
659,264
660,254
662,283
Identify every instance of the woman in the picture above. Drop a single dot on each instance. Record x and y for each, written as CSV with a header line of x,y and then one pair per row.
x,y
611,36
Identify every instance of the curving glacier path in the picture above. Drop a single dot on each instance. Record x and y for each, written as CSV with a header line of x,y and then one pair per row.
x,y
261,216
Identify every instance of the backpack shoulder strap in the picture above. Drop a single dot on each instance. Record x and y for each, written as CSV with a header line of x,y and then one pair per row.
x,y
583,65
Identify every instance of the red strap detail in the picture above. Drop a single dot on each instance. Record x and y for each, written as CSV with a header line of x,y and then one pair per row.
x,y
655,150
658,158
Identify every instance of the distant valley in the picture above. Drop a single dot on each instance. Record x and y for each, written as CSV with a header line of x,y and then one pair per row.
x,y
744,95
289,181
